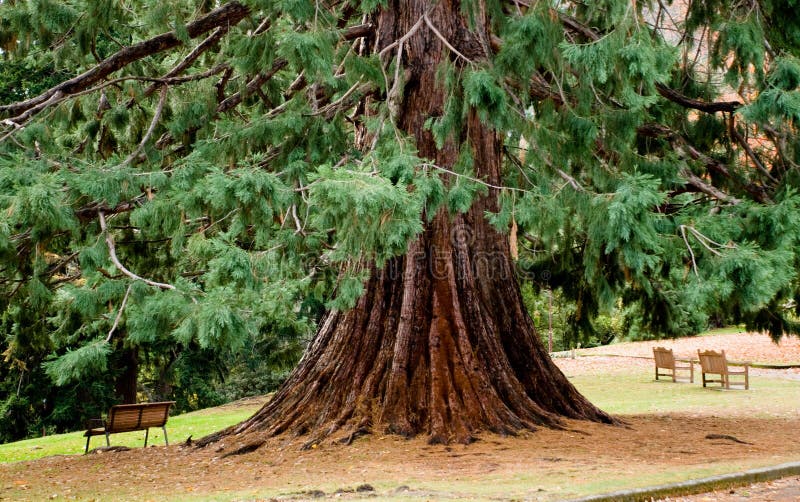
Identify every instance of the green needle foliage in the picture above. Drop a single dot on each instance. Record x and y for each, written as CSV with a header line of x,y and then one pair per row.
x,y
194,182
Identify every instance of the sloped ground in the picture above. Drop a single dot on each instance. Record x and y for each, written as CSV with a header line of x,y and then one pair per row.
x,y
657,447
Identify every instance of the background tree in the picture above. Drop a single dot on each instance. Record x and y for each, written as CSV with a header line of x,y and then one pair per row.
x,y
211,172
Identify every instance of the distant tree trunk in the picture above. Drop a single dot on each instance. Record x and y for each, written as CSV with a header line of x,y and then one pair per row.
x,y
125,385
440,343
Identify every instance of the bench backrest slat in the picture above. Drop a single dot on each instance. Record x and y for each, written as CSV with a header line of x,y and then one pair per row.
x,y
713,362
664,357
124,417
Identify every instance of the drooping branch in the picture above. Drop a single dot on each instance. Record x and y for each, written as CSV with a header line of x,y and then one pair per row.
x,y
227,15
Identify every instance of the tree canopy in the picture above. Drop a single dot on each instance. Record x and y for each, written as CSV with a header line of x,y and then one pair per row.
x,y
187,177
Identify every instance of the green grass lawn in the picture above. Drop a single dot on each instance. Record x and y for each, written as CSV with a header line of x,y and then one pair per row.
x,y
179,427
634,393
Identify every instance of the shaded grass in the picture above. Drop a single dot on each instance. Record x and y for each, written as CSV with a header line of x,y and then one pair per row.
x,y
179,428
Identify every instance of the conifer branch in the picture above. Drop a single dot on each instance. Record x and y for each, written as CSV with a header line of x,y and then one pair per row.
x,y
344,102
665,91
112,252
227,15
255,83
90,211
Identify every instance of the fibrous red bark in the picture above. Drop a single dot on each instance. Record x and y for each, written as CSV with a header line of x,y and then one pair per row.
x,y
440,343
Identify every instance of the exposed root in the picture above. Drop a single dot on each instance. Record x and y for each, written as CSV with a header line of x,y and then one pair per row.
x,y
726,437
242,450
348,440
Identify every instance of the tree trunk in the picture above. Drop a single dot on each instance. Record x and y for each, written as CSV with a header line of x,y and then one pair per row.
x,y
440,343
125,384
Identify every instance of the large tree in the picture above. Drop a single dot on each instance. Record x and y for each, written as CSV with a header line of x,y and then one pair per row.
x,y
210,167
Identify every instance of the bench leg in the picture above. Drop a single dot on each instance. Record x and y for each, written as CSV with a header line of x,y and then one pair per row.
x,y
108,443
87,445
164,428
146,433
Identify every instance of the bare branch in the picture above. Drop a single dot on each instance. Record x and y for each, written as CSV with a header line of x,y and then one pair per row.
x,y
119,313
696,104
476,180
750,153
402,39
443,39
112,252
191,57
689,247
704,241
153,123
707,189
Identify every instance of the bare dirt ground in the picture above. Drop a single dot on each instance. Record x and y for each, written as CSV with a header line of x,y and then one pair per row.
x,y
543,465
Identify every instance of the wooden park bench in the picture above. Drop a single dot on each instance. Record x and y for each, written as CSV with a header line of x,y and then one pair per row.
x,y
715,363
665,360
130,417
